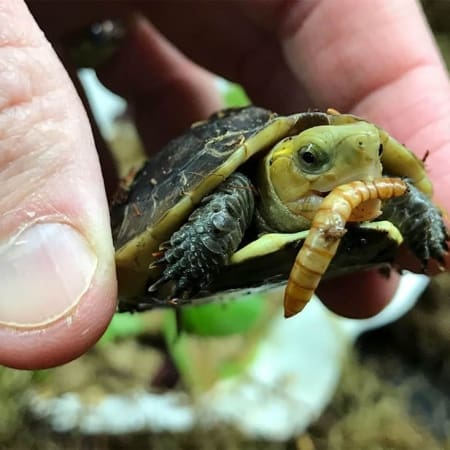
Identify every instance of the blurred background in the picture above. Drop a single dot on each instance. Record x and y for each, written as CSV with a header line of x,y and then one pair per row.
x,y
240,377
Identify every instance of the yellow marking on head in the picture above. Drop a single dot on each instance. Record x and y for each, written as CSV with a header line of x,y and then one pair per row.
x,y
322,157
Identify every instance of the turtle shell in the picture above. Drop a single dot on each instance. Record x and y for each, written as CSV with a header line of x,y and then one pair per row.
x,y
171,184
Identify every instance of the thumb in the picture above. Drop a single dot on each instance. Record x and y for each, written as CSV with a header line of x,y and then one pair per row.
x,y
57,281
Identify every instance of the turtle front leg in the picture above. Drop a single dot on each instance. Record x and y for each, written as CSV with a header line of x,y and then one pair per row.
x,y
195,253
420,223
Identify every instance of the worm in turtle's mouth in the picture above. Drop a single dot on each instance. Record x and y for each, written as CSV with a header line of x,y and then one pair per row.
x,y
367,210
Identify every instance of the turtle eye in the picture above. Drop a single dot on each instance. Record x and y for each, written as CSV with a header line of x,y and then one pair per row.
x,y
313,159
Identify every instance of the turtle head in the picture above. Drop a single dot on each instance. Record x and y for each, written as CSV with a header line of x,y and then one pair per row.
x,y
300,170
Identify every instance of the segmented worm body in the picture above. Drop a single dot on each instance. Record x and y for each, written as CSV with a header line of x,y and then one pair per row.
x,y
327,229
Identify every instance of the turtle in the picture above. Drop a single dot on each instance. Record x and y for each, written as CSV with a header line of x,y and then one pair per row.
x,y
249,199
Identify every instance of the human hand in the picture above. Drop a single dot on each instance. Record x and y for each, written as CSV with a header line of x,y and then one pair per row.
x,y
291,57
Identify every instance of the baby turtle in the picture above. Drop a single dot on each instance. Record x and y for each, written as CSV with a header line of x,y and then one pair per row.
x,y
224,208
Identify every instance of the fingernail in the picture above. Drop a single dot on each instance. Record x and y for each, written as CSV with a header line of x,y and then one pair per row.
x,y
44,272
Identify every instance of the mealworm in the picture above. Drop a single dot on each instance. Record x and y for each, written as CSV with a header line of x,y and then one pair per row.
x,y
327,229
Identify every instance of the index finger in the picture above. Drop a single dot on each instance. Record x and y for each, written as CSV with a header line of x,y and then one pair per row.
x,y
365,62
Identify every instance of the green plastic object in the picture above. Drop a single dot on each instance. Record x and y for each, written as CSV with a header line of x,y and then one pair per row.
x,y
223,319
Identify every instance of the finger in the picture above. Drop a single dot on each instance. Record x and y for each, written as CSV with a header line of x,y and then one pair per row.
x,y
365,62
358,296
245,53
405,259
57,281
167,92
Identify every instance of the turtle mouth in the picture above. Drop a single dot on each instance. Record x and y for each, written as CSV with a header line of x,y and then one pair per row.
x,y
321,194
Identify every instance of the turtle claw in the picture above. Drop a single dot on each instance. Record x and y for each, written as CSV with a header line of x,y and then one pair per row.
x,y
146,304
176,301
424,266
421,225
157,284
157,263
165,246
179,289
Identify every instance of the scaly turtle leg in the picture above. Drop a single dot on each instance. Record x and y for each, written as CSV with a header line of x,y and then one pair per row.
x,y
420,223
196,252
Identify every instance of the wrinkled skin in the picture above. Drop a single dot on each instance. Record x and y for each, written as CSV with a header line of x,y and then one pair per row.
x,y
284,55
